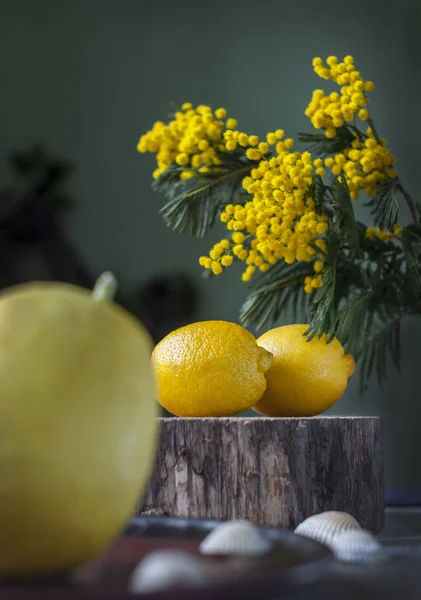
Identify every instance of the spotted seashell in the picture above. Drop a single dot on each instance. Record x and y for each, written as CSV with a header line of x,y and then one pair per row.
x,y
164,569
357,546
325,526
239,538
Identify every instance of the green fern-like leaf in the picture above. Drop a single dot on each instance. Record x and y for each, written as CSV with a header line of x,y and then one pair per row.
x,y
322,146
352,320
317,190
343,218
167,179
368,324
384,206
194,204
411,242
323,310
278,291
382,340
323,303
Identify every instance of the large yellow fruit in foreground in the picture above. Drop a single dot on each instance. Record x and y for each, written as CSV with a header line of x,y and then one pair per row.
x,y
77,425
306,377
209,369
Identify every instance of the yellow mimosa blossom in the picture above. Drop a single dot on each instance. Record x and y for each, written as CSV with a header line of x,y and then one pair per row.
x,y
276,217
194,138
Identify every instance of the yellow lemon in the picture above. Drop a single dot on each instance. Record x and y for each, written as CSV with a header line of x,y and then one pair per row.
x,y
306,377
209,369
77,425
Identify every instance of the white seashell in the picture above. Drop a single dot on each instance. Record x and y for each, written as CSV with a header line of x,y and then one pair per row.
x,y
164,569
325,526
236,538
357,545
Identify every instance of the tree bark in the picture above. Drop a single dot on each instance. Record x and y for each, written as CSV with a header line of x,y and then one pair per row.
x,y
270,471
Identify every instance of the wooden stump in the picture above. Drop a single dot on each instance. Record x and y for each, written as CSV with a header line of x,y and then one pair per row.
x,y
270,471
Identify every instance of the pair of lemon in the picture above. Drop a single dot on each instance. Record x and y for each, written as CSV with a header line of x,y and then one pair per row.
x,y
218,369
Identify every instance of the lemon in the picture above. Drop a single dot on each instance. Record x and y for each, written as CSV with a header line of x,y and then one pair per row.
x,y
306,377
77,421
209,369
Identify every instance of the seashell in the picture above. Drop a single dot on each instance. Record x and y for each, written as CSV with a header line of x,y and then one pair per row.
x,y
357,545
325,526
239,538
164,569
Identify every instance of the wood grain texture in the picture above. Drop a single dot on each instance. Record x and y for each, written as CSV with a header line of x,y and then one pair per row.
x,y
270,471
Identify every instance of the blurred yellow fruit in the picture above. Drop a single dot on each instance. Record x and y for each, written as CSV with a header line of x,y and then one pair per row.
x,y
209,369
306,377
78,427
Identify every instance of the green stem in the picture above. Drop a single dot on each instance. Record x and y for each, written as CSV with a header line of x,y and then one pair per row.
x,y
105,287
370,123
360,134
210,185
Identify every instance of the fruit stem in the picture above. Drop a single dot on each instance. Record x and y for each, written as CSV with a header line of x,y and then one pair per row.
x,y
105,287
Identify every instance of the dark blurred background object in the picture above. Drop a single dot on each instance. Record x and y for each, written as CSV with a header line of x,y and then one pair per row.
x,y
30,220
166,302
